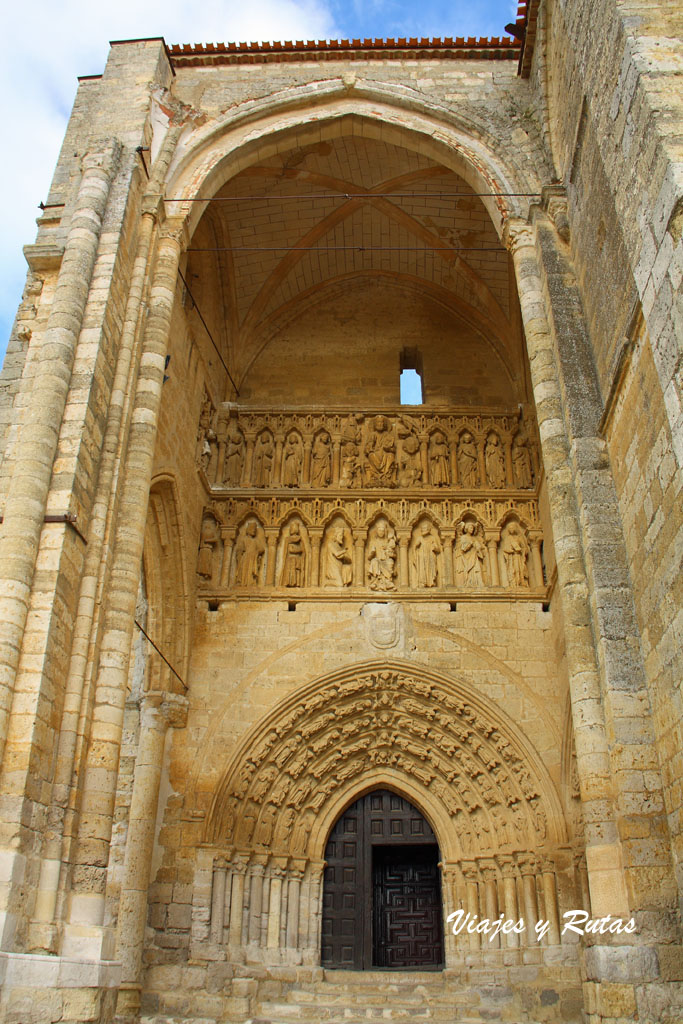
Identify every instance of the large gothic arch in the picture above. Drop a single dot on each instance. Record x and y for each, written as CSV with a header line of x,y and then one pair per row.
x,y
393,724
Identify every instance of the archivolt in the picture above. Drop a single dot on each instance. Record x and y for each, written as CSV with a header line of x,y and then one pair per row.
x,y
485,788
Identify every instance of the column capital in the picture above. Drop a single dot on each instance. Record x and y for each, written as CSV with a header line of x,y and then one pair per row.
x,y
517,234
162,709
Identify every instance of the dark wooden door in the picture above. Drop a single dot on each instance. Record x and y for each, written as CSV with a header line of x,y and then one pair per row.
x,y
381,886
406,905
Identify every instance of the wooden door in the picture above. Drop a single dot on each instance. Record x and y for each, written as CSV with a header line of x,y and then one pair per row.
x,y
381,894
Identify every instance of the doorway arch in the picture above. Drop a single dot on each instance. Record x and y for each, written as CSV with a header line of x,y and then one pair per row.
x,y
382,905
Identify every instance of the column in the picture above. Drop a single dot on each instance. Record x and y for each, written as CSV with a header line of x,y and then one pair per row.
x,y
471,874
315,913
481,461
535,539
528,866
256,873
403,567
220,869
336,461
249,459
492,537
359,557
550,900
424,460
271,554
507,868
239,873
489,872
448,541
158,711
507,448
306,474
277,872
277,462
316,535
85,933
24,507
228,535
296,874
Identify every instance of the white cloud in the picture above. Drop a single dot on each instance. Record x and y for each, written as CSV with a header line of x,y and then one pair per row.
x,y
48,43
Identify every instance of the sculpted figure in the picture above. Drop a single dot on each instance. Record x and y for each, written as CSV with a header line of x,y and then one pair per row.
x,y
439,461
514,550
382,558
321,461
351,471
467,461
380,454
469,557
292,460
249,553
338,560
409,465
521,463
426,557
494,460
234,455
293,558
264,453
208,538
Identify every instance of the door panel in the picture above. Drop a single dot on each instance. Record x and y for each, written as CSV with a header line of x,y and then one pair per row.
x,y
406,907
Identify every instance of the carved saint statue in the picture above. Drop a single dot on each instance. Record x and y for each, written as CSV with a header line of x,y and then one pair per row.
x,y
514,550
381,558
234,455
469,557
439,460
338,560
380,454
351,474
292,460
494,460
293,558
208,538
425,559
468,471
264,453
521,463
409,462
321,461
249,553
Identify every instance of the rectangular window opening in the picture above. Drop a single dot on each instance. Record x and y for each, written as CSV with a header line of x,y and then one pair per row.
x,y
411,381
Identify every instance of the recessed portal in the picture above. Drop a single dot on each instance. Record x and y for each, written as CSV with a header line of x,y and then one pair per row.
x,y
382,894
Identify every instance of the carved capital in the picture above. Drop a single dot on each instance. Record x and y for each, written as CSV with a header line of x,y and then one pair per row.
x,y
160,709
517,234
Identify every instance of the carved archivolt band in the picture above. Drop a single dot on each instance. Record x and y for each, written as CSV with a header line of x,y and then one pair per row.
x,y
467,767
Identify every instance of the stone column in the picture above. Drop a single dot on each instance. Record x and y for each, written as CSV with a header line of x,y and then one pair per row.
x,y
249,460
316,535
256,872
550,900
528,866
220,870
306,473
25,504
239,872
492,538
481,462
424,461
509,473
158,711
471,873
448,541
359,557
489,871
336,462
296,874
271,554
228,535
315,913
535,539
403,567
85,933
277,872
277,462
507,868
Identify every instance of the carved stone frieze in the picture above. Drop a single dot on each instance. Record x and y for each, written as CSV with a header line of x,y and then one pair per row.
x,y
384,718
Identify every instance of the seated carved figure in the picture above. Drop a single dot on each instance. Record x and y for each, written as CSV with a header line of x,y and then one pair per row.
x,y
381,558
380,454
338,561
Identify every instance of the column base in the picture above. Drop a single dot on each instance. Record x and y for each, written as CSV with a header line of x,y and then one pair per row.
x,y
38,988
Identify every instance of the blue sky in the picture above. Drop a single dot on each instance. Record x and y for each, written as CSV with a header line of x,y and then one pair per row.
x,y
48,43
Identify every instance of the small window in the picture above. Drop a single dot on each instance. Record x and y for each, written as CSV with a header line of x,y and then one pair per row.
x,y
411,383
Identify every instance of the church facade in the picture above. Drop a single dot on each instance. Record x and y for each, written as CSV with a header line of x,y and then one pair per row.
x,y
320,700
